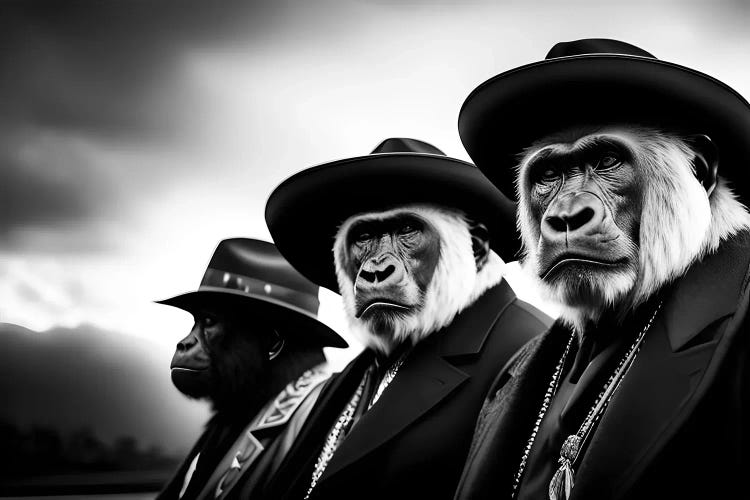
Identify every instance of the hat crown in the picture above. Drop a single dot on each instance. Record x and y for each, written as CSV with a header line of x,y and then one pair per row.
x,y
257,267
260,260
591,46
406,145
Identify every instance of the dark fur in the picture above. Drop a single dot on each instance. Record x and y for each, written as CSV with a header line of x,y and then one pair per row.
x,y
241,377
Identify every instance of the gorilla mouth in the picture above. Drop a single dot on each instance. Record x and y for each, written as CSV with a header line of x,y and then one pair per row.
x,y
565,260
185,369
379,303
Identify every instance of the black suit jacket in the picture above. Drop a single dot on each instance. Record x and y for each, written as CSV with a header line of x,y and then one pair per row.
x,y
678,425
413,442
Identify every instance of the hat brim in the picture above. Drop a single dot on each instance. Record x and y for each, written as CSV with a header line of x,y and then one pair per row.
x,y
304,212
303,327
507,113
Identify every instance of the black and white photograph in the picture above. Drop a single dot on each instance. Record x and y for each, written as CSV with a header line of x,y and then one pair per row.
x,y
374,249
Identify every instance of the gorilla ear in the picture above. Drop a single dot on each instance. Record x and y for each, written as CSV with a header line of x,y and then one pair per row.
x,y
480,242
706,161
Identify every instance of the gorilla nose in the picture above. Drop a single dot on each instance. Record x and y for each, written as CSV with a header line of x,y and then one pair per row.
x,y
383,270
572,215
378,275
187,343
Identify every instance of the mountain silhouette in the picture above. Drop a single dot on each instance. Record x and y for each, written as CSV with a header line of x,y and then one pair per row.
x,y
115,385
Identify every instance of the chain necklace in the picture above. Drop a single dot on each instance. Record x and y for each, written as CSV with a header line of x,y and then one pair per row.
x,y
390,374
562,481
551,390
345,419
331,441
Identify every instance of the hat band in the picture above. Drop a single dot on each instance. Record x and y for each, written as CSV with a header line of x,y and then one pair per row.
x,y
255,287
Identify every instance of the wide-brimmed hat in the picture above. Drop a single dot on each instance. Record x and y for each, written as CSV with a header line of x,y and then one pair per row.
x,y
250,275
304,212
599,81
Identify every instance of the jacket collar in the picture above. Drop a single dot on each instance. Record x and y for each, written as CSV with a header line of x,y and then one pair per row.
x,y
424,380
247,447
475,322
279,410
709,291
671,374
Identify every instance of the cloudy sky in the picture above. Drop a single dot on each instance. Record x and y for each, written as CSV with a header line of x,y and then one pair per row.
x,y
136,135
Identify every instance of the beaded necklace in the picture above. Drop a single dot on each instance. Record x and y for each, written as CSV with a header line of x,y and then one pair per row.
x,y
562,481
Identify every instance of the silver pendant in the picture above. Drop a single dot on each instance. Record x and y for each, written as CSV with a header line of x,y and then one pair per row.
x,y
561,484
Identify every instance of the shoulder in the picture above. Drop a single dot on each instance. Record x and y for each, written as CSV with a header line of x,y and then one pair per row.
x,y
523,312
518,322
298,418
515,365
503,382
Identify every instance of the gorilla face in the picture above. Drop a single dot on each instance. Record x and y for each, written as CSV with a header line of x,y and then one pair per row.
x,y
392,261
610,214
585,203
222,358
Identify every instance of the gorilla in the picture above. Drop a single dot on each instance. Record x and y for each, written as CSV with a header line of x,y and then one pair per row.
x,y
629,223
414,258
255,352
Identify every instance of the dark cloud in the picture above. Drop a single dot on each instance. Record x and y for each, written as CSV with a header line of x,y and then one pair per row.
x,y
107,67
28,198
47,180
104,71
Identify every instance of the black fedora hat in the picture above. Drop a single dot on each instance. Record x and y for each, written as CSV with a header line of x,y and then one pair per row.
x,y
600,81
247,273
304,212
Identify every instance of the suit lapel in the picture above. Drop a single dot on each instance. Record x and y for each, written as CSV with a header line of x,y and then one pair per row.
x,y
667,378
646,408
468,332
419,385
425,379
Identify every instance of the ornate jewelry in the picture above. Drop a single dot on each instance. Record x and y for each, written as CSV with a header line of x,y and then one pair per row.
x,y
278,346
562,482
332,441
333,437
551,390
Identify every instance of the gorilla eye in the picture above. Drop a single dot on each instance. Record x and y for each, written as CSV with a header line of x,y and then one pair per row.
x,y
608,161
207,321
362,237
549,175
546,180
406,229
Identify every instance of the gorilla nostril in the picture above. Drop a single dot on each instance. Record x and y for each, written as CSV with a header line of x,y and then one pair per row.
x,y
580,218
385,273
557,223
367,276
